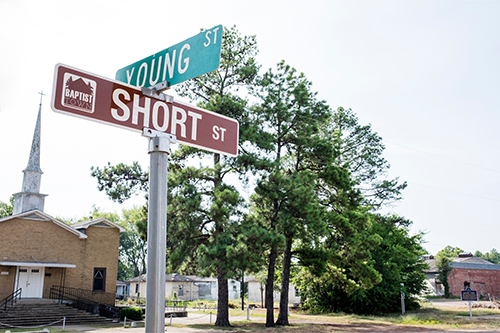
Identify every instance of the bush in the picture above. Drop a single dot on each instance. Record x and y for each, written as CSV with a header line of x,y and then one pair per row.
x,y
131,313
231,305
397,259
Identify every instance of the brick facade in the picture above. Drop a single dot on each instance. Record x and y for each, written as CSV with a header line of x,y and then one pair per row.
x,y
484,277
485,282
39,239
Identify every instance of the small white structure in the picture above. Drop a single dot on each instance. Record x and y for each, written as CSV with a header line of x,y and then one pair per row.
x,y
257,293
121,289
186,288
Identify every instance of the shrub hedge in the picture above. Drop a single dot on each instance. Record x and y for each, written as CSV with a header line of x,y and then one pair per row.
x,y
131,313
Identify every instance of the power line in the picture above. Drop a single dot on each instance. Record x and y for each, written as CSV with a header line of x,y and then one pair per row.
x,y
446,158
440,189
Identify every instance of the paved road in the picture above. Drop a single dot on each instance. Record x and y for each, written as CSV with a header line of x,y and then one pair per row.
x,y
449,303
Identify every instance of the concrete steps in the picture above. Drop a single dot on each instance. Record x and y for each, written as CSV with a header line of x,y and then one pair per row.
x,y
44,312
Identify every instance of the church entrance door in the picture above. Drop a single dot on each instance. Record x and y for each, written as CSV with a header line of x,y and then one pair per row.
x,y
31,281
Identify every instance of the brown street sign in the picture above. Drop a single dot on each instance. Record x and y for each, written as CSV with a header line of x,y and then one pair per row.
x,y
81,94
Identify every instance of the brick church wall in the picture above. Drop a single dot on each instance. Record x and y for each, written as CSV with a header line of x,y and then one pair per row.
x,y
33,240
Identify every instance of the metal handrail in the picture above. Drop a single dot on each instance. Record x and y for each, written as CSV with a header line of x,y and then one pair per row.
x,y
11,298
83,303
170,305
174,305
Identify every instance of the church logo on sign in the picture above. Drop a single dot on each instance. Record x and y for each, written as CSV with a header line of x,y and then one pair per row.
x,y
79,93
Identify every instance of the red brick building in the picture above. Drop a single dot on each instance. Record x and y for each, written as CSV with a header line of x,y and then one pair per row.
x,y
483,276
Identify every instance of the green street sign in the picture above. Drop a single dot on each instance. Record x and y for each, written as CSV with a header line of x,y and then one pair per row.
x,y
193,57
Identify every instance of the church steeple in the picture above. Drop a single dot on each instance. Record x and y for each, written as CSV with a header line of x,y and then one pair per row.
x,y
30,198
34,160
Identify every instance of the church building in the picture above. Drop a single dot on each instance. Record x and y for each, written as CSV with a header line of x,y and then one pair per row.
x,y
37,251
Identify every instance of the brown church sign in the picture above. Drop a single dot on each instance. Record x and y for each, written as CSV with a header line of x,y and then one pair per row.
x,y
96,98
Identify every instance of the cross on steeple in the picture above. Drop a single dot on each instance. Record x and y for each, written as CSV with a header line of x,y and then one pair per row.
x,y
41,96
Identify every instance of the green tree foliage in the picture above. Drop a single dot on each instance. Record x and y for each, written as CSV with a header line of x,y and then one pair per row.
x,y
443,260
211,207
97,213
398,259
204,208
132,249
444,269
360,151
493,256
450,252
121,181
319,175
295,158
346,259
6,208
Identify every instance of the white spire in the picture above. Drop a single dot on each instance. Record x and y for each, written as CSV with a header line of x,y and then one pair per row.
x,y
34,160
30,198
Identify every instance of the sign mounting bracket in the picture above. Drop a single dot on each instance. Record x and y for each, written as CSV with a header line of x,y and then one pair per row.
x,y
159,141
161,86
154,93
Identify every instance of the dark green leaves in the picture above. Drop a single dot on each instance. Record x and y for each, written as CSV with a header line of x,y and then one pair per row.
x,y
122,181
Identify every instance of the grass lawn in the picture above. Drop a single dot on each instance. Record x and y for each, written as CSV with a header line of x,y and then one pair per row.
x,y
428,317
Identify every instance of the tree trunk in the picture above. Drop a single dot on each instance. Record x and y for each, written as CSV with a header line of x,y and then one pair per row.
x,y
269,288
222,303
285,284
223,292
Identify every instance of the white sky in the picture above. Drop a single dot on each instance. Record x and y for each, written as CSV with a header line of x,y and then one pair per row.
x,y
425,74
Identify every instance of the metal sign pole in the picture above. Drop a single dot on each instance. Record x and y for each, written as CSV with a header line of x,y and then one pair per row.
x,y
402,299
159,148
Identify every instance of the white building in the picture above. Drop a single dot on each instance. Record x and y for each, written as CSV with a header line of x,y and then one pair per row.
x,y
257,293
186,288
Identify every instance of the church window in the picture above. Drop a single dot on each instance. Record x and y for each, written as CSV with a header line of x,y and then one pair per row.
x,y
99,279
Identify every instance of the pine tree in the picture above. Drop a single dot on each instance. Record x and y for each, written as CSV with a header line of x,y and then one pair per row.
x,y
210,207
204,208
293,159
